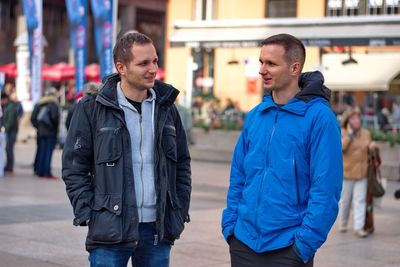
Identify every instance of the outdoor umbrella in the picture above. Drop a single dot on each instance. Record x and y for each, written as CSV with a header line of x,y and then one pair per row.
x,y
9,69
58,72
92,73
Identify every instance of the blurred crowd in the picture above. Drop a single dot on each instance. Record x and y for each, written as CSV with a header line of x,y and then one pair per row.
x,y
209,113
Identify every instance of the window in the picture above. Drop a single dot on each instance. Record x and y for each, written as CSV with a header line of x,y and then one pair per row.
x,y
374,7
392,6
281,8
152,23
203,76
351,7
335,8
204,9
361,7
7,16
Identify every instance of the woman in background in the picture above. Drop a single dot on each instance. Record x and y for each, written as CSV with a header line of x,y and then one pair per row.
x,y
356,142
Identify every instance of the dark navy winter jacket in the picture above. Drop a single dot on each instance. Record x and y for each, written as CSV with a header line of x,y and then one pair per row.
x,y
97,169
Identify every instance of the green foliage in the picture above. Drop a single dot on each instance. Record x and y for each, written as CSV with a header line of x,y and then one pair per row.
x,y
231,126
201,124
389,136
206,96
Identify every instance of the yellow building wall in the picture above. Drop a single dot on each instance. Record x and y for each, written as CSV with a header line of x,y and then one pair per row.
x,y
240,9
310,8
312,59
176,58
230,80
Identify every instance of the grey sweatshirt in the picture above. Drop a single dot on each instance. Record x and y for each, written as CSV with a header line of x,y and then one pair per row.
x,y
141,130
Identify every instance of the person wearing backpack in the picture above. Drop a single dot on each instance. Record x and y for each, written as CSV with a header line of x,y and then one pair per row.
x,y
45,118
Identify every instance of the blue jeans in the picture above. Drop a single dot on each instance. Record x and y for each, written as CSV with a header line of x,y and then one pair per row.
x,y
44,155
147,253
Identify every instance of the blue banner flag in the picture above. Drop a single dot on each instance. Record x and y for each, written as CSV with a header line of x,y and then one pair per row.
x,y
103,21
30,14
29,8
33,15
77,17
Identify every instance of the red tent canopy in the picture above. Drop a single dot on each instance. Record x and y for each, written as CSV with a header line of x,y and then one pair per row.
x,y
92,73
9,69
58,72
160,74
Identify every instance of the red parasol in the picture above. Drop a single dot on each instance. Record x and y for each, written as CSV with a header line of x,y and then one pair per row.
x,y
92,73
160,74
58,72
9,69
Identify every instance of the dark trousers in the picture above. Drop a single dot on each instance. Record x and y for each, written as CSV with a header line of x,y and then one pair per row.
x,y
10,142
44,155
243,256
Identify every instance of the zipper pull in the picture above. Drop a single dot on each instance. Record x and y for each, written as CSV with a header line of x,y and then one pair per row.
x,y
155,240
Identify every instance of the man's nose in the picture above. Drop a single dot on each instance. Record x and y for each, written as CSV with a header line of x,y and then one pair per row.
x,y
263,70
153,68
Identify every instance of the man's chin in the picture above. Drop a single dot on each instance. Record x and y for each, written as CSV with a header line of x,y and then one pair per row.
x,y
150,84
268,87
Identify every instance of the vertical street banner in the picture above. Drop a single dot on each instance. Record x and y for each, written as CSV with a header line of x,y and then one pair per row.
x,y
33,14
31,20
103,22
77,18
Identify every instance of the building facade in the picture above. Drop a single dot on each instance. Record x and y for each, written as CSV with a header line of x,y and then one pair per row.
x,y
213,44
145,16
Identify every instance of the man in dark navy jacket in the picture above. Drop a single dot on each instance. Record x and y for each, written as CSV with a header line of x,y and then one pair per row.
x,y
126,163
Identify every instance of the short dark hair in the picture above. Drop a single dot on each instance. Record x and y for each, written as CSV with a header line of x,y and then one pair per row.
x,y
294,48
122,49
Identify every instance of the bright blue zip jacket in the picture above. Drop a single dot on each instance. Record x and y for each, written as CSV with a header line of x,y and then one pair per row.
x,y
286,173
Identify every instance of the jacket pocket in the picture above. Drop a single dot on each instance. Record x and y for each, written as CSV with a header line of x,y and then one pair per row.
x,y
105,225
174,220
108,145
169,142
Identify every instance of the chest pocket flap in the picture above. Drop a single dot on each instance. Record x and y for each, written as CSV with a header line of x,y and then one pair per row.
x,y
108,145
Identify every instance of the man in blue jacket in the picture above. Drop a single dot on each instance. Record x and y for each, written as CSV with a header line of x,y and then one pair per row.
x,y
286,173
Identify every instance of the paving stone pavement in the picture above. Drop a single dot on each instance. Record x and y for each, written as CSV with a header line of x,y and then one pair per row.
x,y
36,224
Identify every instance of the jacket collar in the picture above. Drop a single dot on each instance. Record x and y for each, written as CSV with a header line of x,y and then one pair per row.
x,y
312,90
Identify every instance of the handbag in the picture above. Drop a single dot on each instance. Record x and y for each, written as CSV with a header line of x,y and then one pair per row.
x,y
375,185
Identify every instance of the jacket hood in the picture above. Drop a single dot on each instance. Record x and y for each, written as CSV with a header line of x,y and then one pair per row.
x,y
48,99
312,85
165,93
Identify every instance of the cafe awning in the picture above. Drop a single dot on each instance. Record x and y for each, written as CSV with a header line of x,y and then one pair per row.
x,y
326,31
372,72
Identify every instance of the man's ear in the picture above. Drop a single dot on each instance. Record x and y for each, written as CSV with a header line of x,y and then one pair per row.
x,y
296,69
120,68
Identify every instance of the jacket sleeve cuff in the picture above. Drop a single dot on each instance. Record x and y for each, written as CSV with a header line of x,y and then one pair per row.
x,y
82,221
302,251
227,232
